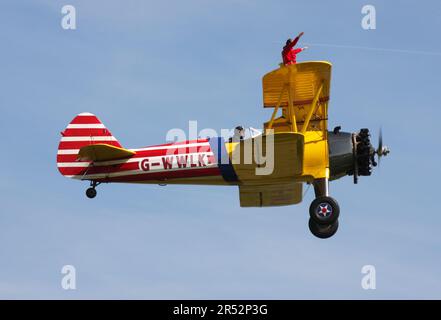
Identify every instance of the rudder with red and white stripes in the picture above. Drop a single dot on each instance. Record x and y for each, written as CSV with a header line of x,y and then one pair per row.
x,y
85,129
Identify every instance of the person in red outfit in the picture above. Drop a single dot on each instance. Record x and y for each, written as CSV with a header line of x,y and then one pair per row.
x,y
289,54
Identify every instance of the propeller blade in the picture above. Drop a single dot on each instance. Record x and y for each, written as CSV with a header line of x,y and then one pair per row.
x,y
381,150
380,146
380,140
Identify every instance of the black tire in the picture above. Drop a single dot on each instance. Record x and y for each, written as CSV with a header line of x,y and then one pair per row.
x,y
324,210
91,193
323,231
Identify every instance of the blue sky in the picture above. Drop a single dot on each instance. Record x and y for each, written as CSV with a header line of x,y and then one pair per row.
x,y
145,67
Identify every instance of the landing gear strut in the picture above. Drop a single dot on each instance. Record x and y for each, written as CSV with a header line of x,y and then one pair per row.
x,y
324,211
91,192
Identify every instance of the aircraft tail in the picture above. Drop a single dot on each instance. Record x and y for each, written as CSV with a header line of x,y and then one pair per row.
x,y
84,130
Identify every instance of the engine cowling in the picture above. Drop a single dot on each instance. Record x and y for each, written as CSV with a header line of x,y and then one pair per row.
x,y
351,154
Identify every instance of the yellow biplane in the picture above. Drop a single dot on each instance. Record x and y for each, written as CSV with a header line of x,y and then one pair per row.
x,y
269,168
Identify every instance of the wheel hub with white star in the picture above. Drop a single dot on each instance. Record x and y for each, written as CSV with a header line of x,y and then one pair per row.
x,y
324,210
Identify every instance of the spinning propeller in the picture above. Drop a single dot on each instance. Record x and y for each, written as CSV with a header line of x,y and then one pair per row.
x,y
381,151
364,153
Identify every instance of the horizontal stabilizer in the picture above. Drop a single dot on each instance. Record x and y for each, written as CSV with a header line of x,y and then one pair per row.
x,y
103,152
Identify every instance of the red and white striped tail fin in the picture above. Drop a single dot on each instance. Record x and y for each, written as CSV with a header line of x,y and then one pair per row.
x,y
85,129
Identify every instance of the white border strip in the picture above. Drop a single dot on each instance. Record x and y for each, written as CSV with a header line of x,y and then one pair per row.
x,y
68,151
86,138
86,126
153,159
173,146
73,164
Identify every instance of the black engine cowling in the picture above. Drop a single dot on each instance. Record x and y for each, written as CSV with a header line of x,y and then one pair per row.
x,y
350,154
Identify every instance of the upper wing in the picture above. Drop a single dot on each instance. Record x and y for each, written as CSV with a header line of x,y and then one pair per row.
x,y
270,195
307,85
103,152
305,78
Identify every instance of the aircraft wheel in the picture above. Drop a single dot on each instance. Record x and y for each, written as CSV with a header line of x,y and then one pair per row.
x,y
324,210
323,231
91,193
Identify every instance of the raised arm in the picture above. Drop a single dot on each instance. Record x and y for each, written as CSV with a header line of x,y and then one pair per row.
x,y
294,42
